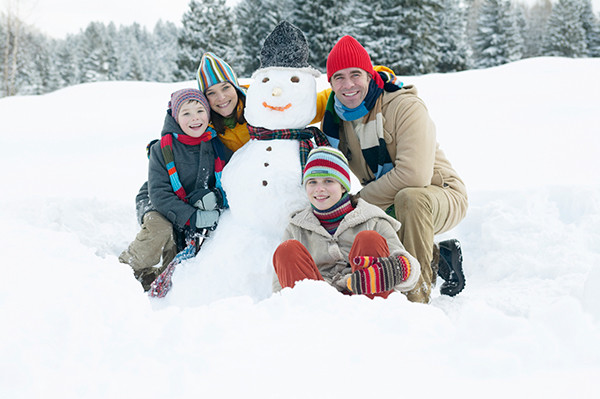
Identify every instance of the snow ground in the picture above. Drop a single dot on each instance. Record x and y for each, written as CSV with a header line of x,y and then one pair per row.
x,y
75,324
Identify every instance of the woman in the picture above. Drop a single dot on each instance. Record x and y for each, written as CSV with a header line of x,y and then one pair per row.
x,y
218,82
343,240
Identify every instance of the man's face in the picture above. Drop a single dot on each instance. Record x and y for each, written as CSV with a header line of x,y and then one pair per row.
x,y
350,86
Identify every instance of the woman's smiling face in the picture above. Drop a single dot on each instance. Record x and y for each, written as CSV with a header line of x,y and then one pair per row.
x,y
223,98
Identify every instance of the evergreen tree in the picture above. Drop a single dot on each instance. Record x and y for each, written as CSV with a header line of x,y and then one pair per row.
x,y
113,63
97,55
472,11
67,61
162,52
29,79
405,35
49,74
381,32
4,55
255,19
537,20
566,34
514,25
452,43
322,23
497,40
358,21
591,25
136,70
207,26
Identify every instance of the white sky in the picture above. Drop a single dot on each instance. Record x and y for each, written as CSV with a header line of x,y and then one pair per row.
x,y
60,17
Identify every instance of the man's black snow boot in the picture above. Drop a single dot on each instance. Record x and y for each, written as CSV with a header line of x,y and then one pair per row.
x,y
450,267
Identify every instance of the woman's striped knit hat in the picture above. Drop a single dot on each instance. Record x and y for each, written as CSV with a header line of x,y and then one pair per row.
x,y
213,70
327,162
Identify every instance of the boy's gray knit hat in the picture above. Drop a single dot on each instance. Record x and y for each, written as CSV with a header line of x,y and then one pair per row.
x,y
285,47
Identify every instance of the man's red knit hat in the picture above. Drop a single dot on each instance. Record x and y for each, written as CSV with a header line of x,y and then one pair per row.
x,y
348,53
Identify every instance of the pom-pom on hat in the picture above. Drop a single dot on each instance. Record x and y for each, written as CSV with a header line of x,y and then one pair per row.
x,y
348,53
213,70
327,162
182,96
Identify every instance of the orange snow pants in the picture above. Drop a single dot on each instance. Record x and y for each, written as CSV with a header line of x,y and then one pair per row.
x,y
293,262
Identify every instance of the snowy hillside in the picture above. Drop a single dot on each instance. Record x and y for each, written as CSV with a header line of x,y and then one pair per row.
x,y
75,324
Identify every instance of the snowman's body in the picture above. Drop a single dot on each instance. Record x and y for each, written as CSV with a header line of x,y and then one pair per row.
x,y
262,182
263,179
263,185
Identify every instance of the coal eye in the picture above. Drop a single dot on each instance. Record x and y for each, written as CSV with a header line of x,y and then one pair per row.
x,y
295,79
265,80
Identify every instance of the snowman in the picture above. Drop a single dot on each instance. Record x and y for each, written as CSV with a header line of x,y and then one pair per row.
x,y
262,180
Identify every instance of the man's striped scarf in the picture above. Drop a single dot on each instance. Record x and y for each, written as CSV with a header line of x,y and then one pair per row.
x,y
304,136
371,139
166,146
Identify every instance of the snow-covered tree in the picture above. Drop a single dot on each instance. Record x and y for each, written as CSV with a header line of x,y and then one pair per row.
x,y
323,24
358,20
591,25
162,51
406,35
12,29
472,10
97,54
382,32
454,52
207,26
536,17
65,61
497,40
566,36
255,19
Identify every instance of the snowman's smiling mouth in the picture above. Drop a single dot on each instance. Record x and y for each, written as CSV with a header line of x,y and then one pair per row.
x,y
276,108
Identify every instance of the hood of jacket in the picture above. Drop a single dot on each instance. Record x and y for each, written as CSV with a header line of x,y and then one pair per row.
x,y
170,125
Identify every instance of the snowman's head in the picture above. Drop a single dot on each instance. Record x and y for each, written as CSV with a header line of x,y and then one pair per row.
x,y
283,94
281,98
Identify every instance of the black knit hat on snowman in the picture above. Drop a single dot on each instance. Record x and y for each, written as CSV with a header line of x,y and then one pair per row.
x,y
286,48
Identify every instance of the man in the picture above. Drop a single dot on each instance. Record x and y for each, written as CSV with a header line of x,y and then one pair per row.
x,y
386,133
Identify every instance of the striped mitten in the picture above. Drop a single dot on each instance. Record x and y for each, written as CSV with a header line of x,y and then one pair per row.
x,y
378,274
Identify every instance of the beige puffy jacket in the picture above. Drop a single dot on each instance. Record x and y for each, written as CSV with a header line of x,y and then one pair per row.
x,y
330,253
410,137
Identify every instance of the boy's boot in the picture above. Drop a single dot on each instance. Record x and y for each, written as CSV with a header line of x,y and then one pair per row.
x,y
450,267
146,276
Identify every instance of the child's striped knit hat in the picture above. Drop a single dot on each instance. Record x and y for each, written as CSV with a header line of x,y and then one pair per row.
x,y
327,162
182,96
213,70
